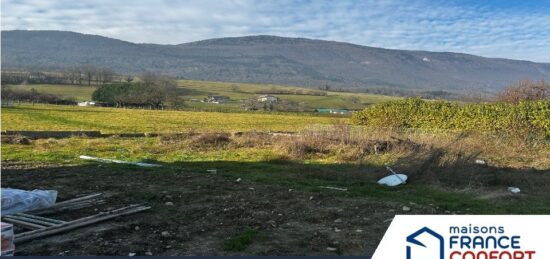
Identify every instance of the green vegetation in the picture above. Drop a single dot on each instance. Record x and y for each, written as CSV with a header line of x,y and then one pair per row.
x,y
114,120
527,119
148,93
191,92
310,97
240,241
80,93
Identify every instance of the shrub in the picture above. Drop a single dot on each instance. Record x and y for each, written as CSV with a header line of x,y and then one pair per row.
x,y
525,90
524,119
208,140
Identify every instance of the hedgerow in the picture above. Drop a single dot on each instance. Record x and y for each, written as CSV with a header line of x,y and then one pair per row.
x,y
524,119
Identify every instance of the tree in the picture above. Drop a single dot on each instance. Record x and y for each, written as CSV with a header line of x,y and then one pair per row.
x,y
525,90
89,72
153,90
114,94
106,75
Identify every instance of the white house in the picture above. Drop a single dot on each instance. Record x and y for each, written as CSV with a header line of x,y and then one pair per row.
x,y
86,103
217,99
267,98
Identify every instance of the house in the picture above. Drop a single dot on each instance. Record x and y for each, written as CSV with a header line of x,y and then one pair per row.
x,y
216,99
267,98
333,111
86,103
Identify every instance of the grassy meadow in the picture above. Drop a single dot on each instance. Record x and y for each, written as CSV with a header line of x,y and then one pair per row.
x,y
236,91
191,89
113,120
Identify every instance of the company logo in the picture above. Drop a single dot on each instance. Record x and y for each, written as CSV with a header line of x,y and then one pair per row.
x,y
466,242
435,251
466,237
486,241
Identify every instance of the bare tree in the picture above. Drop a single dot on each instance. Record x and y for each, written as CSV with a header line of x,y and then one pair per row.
x,y
525,90
89,72
106,75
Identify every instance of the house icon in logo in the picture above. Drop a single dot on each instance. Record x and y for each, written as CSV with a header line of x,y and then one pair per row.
x,y
430,253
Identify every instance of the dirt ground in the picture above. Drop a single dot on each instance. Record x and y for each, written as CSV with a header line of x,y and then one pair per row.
x,y
207,210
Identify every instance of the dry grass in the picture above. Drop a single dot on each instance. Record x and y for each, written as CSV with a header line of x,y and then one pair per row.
x,y
346,144
208,140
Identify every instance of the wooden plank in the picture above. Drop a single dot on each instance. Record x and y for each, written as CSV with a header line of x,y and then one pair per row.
x,y
89,200
43,219
30,235
23,224
28,220
67,207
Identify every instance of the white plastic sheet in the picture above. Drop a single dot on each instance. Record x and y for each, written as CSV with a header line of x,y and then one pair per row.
x,y
393,180
15,200
106,160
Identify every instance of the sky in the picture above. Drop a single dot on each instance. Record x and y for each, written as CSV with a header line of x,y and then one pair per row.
x,y
516,29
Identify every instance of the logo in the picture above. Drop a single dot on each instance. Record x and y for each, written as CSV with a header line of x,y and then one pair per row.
x,y
466,237
435,252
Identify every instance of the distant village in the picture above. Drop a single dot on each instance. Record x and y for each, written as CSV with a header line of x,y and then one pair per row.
x,y
266,102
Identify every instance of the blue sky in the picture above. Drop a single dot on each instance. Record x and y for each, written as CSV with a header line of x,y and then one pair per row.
x,y
493,28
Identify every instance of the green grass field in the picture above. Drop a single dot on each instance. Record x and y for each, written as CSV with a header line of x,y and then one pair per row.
x,y
237,91
113,120
190,89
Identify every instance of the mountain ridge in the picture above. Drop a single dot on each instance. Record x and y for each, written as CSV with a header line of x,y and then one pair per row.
x,y
271,59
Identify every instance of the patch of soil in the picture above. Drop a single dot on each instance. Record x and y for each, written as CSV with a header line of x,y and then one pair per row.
x,y
206,210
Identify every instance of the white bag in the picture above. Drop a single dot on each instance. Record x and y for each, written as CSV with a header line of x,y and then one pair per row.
x,y
15,200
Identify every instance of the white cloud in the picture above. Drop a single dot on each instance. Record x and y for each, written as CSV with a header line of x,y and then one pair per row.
x,y
477,29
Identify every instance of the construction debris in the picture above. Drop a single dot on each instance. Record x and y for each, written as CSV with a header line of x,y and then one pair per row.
x,y
40,226
43,227
514,190
394,179
73,204
30,221
106,160
16,200
8,247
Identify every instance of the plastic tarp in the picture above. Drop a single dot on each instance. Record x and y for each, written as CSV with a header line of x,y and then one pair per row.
x,y
15,200
393,180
